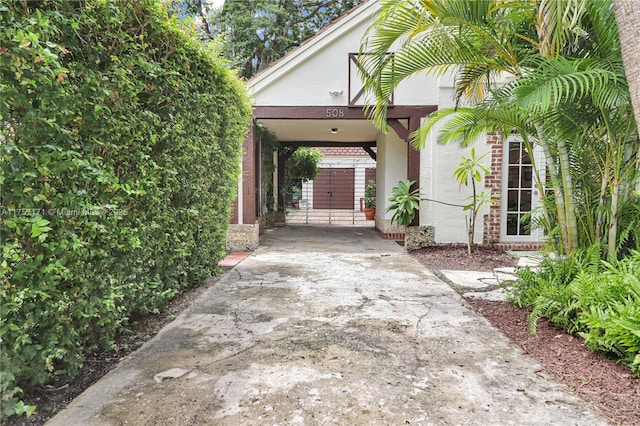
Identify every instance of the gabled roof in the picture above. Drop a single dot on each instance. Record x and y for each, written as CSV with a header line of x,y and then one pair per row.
x,y
333,31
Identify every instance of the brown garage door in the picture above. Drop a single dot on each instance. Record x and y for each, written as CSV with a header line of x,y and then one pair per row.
x,y
333,188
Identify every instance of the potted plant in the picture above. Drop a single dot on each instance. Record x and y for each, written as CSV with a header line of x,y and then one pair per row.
x,y
370,200
296,193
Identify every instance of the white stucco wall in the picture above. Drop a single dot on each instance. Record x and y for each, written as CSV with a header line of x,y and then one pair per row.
x,y
392,168
438,185
305,78
317,68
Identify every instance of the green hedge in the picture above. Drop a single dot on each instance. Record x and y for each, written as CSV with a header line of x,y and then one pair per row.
x,y
120,137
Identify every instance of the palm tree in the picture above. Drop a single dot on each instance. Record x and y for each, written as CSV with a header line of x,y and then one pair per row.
x,y
439,36
557,56
628,20
471,39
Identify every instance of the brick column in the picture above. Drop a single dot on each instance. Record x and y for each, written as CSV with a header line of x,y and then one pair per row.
x,y
493,182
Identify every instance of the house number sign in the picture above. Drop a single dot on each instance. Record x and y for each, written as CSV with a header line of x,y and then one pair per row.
x,y
335,112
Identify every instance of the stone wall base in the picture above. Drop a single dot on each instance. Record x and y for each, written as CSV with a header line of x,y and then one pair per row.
x,y
243,237
418,237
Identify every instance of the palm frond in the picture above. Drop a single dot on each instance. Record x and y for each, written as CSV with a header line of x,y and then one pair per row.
x,y
464,125
553,83
558,25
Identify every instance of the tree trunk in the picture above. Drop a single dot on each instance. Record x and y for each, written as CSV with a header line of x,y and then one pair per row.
x,y
602,200
628,20
473,214
612,238
569,203
558,192
205,18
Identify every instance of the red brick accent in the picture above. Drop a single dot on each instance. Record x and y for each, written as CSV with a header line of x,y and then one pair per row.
x,y
493,182
351,151
398,236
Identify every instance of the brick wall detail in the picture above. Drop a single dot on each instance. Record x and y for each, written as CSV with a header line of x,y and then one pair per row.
x,y
347,151
493,183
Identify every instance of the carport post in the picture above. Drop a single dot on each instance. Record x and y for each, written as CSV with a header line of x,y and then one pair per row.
x,y
413,161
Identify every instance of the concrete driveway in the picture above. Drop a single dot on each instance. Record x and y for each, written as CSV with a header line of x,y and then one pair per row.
x,y
327,326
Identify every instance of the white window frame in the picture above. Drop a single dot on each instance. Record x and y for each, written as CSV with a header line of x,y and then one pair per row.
x,y
537,235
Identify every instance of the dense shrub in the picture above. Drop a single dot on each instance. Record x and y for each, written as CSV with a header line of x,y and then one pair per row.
x,y
120,138
598,300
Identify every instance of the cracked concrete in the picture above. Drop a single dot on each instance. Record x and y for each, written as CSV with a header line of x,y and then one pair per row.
x,y
324,326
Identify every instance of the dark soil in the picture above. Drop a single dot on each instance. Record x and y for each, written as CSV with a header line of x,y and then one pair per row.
x,y
456,257
610,387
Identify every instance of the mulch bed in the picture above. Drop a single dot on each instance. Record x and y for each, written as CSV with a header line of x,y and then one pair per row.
x,y
610,387
456,257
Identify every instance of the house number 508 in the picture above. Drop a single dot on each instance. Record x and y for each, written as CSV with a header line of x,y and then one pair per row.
x,y
335,112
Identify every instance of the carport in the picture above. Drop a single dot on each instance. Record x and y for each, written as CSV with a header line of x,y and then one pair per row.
x,y
314,97
318,126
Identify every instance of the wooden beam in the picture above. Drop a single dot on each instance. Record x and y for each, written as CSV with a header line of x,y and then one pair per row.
x,y
413,162
401,131
371,153
329,144
333,112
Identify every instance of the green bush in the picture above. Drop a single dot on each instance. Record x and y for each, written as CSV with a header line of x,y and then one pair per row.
x,y
547,291
610,309
120,138
582,294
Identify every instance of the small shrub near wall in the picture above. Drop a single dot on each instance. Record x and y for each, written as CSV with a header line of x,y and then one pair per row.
x,y
120,138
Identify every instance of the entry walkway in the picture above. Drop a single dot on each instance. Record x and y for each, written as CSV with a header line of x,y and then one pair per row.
x,y
327,326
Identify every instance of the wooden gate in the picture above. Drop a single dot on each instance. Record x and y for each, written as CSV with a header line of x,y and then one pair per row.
x,y
333,188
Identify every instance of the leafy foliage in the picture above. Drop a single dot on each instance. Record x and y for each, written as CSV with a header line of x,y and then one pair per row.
x,y
370,195
405,202
120,138
471,169
270,144
583,294
610,309
302,166
552,74
258,32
